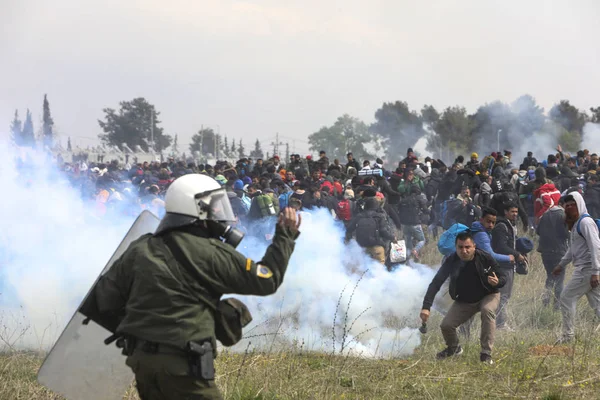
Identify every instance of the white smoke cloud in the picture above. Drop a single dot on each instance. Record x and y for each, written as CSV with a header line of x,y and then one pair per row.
x,y
51,249
591,137
375,312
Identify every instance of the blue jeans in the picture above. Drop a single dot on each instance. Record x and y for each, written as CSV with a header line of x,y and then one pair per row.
x,y
411,233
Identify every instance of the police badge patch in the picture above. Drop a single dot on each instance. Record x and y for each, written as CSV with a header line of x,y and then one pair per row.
x,y
263,272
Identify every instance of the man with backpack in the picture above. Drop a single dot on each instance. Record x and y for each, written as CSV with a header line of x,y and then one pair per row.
x,y
371,227
345,207
584,253
411,209
504,241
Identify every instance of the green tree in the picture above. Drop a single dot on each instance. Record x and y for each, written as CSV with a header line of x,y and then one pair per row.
x,y
225,147
233,150
241,150
203,141
570,141
568,116
399,127
135,124
347,134
595,118
429,115
453,130
28,135
16,130
257,152
218,146
47,125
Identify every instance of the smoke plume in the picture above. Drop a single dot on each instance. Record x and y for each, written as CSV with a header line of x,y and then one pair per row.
x,y
591,137
335,298
53,249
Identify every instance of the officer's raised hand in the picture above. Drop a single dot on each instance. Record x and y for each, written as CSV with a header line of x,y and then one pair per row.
x,y
289,220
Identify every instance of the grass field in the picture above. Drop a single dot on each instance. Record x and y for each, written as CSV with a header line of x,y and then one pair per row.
x,y
528,364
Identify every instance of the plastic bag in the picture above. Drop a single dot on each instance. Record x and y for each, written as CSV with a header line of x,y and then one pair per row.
x,y
398,252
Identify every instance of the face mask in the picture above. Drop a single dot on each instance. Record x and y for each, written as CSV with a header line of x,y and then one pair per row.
x,y
225,232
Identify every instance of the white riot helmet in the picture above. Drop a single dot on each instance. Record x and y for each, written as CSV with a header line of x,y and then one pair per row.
x,y
199,196
196,197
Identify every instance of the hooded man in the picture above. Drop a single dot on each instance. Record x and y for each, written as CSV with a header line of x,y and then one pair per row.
x,y
584,253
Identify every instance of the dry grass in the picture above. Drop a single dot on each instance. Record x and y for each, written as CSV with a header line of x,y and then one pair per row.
x,y
528,364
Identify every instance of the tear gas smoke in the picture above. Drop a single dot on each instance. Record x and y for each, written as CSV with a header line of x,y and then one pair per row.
x,y
375,311
591,137
52,251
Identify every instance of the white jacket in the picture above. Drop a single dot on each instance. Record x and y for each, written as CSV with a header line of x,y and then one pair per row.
x,y
584,249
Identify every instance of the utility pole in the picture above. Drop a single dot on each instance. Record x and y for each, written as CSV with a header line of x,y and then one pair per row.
x,y
152,129
276,145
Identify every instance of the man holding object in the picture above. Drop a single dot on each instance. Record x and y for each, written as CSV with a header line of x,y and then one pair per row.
x,y
474,282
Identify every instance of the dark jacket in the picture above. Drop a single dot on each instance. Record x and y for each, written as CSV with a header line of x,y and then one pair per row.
x,y
504,240
592,200
411,208
382,231
554,236
452,267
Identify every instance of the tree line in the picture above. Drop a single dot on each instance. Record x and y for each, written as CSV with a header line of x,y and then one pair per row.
x,y
136,126
23,134
454,131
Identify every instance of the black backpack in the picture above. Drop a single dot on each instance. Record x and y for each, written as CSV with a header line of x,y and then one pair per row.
x,y
410,211
367,231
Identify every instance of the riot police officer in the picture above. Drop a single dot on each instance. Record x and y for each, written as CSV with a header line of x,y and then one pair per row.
x,y
165,290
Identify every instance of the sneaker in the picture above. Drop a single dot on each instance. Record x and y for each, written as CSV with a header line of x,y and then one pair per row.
x,y
449,352
505,328
486,358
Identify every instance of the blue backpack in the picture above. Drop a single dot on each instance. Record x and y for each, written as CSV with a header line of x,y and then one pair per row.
x,y
579,223
284,199
447,242
246,202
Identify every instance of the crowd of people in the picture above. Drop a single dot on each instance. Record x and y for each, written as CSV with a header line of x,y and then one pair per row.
x,y
415,200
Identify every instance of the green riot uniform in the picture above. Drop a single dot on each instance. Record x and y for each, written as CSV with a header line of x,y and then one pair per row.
x,y
164,301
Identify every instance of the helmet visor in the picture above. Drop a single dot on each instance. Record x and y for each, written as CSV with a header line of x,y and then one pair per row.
x,y
214,205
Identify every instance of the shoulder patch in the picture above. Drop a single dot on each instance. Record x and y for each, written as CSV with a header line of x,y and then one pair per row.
x,y
263,272
248,264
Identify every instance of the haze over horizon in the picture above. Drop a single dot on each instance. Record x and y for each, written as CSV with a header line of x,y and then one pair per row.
x,y
255,68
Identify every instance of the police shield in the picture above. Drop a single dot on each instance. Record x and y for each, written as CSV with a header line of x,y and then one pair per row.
x,y
80,365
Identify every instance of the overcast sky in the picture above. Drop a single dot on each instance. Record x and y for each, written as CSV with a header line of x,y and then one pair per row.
x,y
260,67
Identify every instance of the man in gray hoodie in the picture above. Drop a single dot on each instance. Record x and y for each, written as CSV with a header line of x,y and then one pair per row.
x,y
554,241
584,253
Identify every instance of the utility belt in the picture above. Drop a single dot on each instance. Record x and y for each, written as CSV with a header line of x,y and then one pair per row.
x,y
199,354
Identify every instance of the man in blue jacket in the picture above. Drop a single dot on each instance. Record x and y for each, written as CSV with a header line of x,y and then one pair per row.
x,y
482,235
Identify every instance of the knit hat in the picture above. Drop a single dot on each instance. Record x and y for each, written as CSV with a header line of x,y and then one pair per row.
x,y
474,155
349,194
